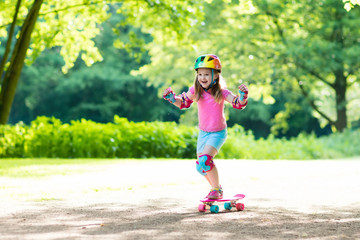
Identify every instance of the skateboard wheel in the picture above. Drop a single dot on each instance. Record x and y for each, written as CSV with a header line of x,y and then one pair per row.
x,y
202,208
227,206
214,209
240,206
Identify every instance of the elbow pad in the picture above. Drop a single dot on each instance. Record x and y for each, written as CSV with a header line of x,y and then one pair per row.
x,y
185,101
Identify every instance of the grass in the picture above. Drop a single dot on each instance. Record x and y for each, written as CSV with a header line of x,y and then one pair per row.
x,y
44,167
37,170
29,179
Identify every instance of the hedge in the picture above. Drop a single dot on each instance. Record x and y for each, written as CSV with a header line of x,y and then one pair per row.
x,y
48,137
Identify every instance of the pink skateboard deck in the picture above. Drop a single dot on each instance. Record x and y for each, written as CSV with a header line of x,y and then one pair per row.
x,y
228,203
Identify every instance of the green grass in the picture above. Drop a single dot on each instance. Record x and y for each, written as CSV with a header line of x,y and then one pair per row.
x,y
38,170
47,167
44,167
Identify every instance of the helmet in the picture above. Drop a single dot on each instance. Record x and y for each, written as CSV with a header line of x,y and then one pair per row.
x,y
208,61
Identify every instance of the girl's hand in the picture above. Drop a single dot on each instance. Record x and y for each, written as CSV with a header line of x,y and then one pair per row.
x,y
169,95
166,91
243,88
243,91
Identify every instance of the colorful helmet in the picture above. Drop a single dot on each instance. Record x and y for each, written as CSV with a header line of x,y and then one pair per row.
x,y
208,61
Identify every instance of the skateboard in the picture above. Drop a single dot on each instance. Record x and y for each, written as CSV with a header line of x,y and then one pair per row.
x,y
228,203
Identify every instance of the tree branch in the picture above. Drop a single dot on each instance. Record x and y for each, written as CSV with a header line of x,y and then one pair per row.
x,y
313,73
278,27
312,103
284,41
8,42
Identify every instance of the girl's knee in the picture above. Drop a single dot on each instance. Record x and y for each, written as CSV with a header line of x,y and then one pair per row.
x,y
204,164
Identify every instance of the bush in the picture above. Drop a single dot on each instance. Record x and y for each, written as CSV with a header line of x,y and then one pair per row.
x,y
50,138
12,140
242,145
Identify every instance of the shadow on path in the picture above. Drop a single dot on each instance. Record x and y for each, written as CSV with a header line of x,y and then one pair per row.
x,y
166,219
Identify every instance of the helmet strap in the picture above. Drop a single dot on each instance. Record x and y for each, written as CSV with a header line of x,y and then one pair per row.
x,y
212,80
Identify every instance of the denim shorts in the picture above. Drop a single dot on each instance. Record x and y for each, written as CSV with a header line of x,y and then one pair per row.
x,y
214,139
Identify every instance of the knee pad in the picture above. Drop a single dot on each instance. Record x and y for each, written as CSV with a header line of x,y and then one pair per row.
x,y
199,169
206,162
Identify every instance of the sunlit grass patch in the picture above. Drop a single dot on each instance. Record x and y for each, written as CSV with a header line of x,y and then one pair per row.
x,y
46,199
43,167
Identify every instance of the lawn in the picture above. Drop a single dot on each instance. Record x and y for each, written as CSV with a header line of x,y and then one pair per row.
x,y
45,167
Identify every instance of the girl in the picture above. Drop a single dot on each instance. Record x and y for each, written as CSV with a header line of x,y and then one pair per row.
x,y
210,97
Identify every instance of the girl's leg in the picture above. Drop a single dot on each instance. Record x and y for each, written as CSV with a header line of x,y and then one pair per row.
x,y
212,176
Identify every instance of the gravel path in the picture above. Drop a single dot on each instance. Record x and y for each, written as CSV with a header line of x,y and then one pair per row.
x,y
159,199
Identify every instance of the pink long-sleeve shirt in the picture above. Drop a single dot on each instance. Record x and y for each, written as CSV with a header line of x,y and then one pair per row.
x,y
211,114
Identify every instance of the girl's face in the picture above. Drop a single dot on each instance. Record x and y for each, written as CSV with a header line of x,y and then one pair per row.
x,y
204,76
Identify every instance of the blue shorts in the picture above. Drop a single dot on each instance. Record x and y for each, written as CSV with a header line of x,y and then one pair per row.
x,y
214,139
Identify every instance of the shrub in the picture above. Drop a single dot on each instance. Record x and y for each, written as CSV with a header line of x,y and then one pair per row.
x,y
50,138
12,140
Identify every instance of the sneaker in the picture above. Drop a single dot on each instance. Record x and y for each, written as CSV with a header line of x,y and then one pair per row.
x,y
215,193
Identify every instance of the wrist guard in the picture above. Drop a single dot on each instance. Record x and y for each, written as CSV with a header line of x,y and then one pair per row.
x,y
170,96
236,102
243,95
185,101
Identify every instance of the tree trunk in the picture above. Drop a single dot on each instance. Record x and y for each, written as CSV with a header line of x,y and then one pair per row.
x,y
10,36
340,90
340,84
12,74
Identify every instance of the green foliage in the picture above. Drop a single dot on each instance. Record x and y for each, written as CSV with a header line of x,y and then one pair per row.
x,y
108,87
96,93
342,144
242,145
12,140
50,138
270,45
71,26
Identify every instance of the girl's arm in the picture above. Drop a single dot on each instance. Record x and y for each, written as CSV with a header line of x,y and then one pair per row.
x,y
239,101
182,101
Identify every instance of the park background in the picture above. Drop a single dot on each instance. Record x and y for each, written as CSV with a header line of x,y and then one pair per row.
x,y
94,72
89,149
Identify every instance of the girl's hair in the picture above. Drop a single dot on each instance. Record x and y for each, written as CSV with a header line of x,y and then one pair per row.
x,y
216,90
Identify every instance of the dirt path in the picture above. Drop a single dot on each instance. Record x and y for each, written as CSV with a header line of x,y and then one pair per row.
x,y
158,200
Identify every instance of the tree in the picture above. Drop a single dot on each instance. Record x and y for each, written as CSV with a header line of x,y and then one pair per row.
x,y
95,93
72,26
12,73
317,51
306,49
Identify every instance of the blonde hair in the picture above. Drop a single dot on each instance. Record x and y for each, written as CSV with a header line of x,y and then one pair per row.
x,y
216,90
